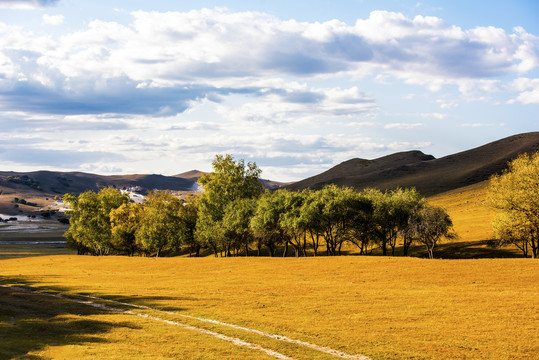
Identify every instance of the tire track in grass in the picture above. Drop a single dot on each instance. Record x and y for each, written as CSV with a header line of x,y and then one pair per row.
x,y
283,338
233,340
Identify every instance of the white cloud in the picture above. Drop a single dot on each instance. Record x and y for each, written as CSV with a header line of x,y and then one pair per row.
x,y
529,89
444,104
438,116
224,49
298,102
53,19
402,126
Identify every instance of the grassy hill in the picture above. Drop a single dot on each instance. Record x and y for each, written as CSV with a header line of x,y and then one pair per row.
x,y
428,175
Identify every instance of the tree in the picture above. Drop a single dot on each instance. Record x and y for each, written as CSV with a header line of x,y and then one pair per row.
x,y
428,225
384,223
292,221
332,212
310,212
188,217
229,181
361,221
405,202
160,226
265,222
392,209
125,221
236,224
90,226
515,194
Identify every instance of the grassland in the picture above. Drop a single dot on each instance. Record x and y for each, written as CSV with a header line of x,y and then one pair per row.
x,y
380,307
384,308
468,210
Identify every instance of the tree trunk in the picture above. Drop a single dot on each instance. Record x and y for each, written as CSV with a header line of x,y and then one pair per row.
x,y
430,251
285,249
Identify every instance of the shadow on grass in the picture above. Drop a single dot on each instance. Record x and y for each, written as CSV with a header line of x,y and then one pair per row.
x,y
31,321
473,250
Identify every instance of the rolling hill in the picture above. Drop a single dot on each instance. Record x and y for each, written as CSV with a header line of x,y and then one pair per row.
x,y
430,176
50,183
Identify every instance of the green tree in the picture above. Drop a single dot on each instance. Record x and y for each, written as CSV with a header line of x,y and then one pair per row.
x,y
293,222
125,221
310,212
330,208
236,224
360,212
392,210
160,226
430,224
188,217
405,202
515,194
265,222
230,181
90,225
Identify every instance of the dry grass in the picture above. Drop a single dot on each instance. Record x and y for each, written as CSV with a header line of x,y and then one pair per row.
x,y
385,308
466,206
472,220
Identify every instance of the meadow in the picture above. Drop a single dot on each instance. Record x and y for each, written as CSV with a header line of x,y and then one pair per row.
x,y
379,307
352,307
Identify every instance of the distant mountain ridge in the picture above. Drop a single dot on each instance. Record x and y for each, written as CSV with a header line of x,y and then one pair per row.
x,y
59,183
427,174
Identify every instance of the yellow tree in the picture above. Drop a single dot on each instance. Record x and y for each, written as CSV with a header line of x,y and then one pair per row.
x,y
160,225
515,194
125,221
90,227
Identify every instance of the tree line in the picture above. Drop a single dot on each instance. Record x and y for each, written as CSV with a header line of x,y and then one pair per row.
x,y
235,216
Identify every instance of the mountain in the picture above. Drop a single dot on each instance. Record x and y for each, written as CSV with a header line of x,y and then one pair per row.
x,y
51,182
427,174
43,183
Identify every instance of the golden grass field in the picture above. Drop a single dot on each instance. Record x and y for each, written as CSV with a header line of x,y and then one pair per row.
x,y
468,210
384,308
379,307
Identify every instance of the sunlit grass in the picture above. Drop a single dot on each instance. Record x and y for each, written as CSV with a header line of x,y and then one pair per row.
x,y
471,216
386,308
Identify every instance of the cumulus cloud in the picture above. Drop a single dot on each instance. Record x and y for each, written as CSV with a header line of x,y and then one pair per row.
x,y
529,89
110,67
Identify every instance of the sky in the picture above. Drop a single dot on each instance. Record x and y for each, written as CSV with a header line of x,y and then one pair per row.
x,y
161,87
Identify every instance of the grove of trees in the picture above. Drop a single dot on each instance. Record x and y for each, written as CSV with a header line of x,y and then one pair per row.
x,y
235,216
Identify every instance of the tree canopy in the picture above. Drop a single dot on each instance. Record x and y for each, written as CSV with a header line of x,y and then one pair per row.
x,y
515,194
90,225
230,181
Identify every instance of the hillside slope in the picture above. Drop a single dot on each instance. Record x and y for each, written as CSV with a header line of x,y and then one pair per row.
x,y
428,175
51,182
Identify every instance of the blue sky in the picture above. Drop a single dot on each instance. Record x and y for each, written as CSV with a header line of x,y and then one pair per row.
x,y
119,87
